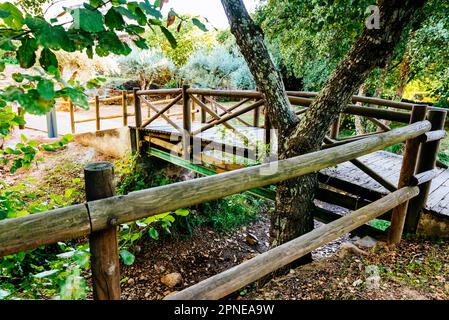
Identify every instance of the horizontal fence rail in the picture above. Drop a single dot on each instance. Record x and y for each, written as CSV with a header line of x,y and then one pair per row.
x,y
225,283
32,231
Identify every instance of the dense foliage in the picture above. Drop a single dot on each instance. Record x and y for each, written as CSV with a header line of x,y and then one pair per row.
x,y
309,38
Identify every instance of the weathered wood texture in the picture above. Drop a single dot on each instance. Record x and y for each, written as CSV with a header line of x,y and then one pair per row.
x,y
137,108
72,117
249,271
99,177
386,164
427,158
36,230
158,200
160,113
405,179
97,113
125,108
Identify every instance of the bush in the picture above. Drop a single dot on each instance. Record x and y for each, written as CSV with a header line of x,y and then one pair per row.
x,y
218,69
151,67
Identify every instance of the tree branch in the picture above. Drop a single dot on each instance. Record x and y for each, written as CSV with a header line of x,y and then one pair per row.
x,y
250,39
372,49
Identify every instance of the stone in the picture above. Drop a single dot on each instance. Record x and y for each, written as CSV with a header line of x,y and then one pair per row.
x,y
159,268
372,281
357,283
169,294
131,281
366,242
172,279
349,248
251,239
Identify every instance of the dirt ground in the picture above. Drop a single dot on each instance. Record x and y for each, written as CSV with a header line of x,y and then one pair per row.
x,y
415,270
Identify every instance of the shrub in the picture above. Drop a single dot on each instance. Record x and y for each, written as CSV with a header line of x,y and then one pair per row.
x,y
219,68
150,67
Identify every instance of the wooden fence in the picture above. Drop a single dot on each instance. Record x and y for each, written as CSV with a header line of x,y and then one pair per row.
x,y
100,217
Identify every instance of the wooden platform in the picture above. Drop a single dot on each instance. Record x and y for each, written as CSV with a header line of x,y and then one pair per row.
x,y
384,163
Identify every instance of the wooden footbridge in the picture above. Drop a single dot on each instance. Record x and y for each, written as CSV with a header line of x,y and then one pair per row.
x,y
224,144
225,138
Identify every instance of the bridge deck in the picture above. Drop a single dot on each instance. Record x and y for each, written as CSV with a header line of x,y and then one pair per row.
x,y
384,163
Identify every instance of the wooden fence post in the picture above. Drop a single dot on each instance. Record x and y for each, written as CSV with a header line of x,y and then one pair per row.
x,y
137,109
407,171
427,158
186,121
256,117
203,112
125,108
103,244
20,113
193,109
335,128
135,138
72,117
97,112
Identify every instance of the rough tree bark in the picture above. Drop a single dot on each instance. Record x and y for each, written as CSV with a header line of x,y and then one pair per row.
x,y
358,121
294,199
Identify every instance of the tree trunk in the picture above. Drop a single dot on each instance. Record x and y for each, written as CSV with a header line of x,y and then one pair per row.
x,y
358,120
294,199
404,76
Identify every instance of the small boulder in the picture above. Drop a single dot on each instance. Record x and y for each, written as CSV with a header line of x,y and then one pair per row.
x,y
172,279
251,239
366,242
348,248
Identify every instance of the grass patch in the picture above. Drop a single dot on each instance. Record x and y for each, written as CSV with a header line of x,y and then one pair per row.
x,y
230,212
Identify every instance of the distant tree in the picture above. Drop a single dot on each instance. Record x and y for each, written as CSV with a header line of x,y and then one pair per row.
x,y
190,35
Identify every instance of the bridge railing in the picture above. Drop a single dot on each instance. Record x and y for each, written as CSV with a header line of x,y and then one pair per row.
x,y
99,219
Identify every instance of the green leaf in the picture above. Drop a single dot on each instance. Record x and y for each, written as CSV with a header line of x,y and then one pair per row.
x,y
141,43
48,60
139,15
153,233
118,2
46,89
96,3
7,45
109,42
182,212
4,13
199,24
149,9
26,54
87,20
127,257
114,20
169,218
171,39
14,19
18,77
2,66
